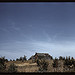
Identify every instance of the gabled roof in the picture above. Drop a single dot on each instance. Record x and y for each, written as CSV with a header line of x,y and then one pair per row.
x,y
42,54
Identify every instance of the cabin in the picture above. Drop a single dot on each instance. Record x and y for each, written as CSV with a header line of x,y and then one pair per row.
x,y
41,56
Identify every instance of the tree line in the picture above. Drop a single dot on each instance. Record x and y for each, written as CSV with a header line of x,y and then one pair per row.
x,y
43,65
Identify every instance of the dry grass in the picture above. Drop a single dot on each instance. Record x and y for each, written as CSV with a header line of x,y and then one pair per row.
x,y
18,62
26,66
29,66
27,69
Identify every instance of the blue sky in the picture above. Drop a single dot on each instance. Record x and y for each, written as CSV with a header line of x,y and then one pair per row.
x,y
27,28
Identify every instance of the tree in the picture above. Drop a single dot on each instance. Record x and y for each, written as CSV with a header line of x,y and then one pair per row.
x,y
21,58
10,59
55,64
69,62
24,58
51,57
56,58
63,58
72,58
17,59
60,58
6,60
38,62
69,57
2,64
12,68
13,60
43,65
66,58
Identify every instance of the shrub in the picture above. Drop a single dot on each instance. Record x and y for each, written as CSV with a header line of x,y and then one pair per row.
x,y
10,59
61,58
69,62
12,68
2,64
13,60
2,67
38,62
55,64
17,59
42,65
51,57
24,58
6,60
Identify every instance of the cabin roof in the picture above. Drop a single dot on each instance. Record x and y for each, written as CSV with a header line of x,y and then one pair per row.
x,y
42,54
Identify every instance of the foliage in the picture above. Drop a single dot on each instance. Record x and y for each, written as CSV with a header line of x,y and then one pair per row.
x,y
38,62
51,57
2,64
6,60
21,58
13,60
42,65
12,68
24,58
10,59
69,62
61,58
72,59
17,59
2,67
55,64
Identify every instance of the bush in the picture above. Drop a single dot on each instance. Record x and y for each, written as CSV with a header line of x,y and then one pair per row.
x,y
6,60
42,65
69,62
12,68
61,58
17,59
13,60
2,64
38,62
10,59
24,58
55,64
51,57
2,67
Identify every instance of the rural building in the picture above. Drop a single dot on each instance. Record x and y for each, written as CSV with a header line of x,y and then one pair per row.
x,y
41,56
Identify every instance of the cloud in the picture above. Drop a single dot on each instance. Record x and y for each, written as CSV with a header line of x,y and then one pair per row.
x,y
12,50
4,29
56,49
10,27
20,48
14,26
46,35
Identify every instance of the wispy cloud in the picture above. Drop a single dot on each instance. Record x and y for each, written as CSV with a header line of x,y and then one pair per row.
x,y
29,48
13,26
4,29
19,48
56,49
48,38
10,27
